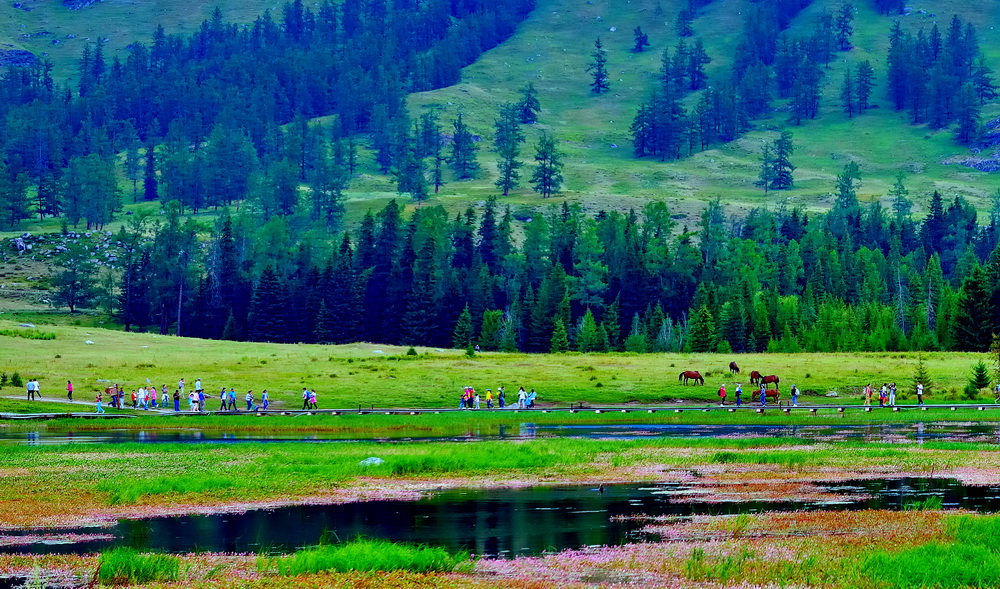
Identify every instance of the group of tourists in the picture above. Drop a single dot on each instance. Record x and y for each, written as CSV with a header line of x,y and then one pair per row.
x,y
472,400
148,397
762,395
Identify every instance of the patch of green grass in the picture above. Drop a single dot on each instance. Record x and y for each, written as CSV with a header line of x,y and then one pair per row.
x,y
126,566
131,491
28,334
368,555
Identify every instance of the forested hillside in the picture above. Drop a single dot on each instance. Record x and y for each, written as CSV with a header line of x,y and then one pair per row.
x,y
239,170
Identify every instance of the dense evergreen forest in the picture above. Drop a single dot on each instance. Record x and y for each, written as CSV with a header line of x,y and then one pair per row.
x,y
221,119
858,278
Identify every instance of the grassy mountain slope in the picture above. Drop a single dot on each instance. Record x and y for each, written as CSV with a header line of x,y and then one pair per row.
x,y
119,21
552,48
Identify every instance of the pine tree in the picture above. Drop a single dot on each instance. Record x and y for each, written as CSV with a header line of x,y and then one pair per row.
x,y
974,317
598,68
463,335
848,96
864,83
489,335
149,188
410,173
637,340
702,334
324,330
560,339
231,331
783,167
507,140
641,40
843,27
463,151
684,25
587,337
967,112
529,106
547,177
268,309
697,60
980,378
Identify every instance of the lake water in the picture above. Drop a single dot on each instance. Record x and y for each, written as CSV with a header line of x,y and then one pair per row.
x,y
920,432
498,522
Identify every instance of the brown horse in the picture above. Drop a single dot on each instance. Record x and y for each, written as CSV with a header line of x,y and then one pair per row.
x,y
733,368
691,375
755,377
770,378
772,394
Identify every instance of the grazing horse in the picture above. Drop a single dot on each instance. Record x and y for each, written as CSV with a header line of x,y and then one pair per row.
x,y
733,368
691,375
772,394
769,379
755,377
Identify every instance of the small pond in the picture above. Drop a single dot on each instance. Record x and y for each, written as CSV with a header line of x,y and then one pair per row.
x,y
498,522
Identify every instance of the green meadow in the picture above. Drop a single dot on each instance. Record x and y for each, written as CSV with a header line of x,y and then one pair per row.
x,y
368,375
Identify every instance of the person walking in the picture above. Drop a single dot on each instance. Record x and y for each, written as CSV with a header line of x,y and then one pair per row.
x,y
99,400
305,398
892,395
531,399
231,398
38,388
30,387
883,395
722,395
795,396
222,399
522,396
165,398
177,401
69,390
264,399
180,385
868,395
475,401
312,399
249,400
739,395
763,395
489,398
920,393
501,397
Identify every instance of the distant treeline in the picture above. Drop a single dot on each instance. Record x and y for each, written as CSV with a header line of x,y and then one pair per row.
x,y
858,278
215,101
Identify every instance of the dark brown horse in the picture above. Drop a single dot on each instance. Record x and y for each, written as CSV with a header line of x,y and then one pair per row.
x,y
770,378
691,375
772,394
733,368
755,377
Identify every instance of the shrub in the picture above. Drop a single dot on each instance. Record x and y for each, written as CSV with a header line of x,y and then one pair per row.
x,y
125,566
411,352
15,380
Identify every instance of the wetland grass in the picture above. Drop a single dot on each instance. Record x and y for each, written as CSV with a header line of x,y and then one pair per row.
x,y
368,555
126,566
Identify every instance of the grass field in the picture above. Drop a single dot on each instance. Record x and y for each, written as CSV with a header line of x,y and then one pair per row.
x,y
384,376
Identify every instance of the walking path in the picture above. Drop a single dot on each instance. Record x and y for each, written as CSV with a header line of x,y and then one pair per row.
x,y
573,408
